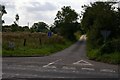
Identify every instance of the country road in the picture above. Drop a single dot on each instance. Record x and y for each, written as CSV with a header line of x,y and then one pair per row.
x,y
69,63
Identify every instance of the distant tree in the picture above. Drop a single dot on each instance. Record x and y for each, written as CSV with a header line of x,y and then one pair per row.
x,y
17,19
6,28
14,27
39,27
66,22
25,28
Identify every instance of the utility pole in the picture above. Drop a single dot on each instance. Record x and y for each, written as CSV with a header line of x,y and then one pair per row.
x,y
28,24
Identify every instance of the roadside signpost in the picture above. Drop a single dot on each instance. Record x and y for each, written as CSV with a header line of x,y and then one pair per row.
x,y
49,34
105,34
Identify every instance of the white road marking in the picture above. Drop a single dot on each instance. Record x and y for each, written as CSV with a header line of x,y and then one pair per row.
x,y
107,70
65,67
50,66
51,63
90,69
82,62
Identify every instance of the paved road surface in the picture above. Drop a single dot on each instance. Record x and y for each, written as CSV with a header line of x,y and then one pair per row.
x,y
69,63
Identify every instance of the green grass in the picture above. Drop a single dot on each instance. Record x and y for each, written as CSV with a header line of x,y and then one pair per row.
x,y
43,51
112,58
33,47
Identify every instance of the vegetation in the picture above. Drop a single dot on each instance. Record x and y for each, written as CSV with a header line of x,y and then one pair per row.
x,y
32,44
39,27
2,12
66,23
101,24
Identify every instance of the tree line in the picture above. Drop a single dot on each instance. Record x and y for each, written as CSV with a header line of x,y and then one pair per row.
x,y
97,17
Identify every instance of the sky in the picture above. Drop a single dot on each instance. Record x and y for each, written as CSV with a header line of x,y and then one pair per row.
x,y
32,11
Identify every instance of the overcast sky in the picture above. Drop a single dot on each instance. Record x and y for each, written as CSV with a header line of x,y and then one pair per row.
x,y
38,10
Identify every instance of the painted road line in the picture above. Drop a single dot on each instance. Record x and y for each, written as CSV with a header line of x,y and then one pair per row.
x,y
65,67
51,63
82,62
90,69
50,67
107,70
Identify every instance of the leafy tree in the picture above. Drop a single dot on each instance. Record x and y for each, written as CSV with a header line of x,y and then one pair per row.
x,y
14,27
66,22
2,11
100,13
17,19
40,27
25,28
97,17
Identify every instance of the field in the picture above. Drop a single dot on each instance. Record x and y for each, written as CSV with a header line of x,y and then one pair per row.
x,y
31,44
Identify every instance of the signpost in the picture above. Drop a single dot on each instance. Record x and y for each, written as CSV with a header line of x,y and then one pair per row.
x,y
105,34
49,34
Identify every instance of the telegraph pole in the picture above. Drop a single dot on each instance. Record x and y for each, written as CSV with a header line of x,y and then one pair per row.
x,y
28,24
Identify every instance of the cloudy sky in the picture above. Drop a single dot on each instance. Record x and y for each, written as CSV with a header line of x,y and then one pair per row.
x,y
38,10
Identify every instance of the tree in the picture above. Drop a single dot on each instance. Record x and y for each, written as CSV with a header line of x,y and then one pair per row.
x,y
98,17
14,27
17,19
40,27
2,11
66,22
100,13
25,28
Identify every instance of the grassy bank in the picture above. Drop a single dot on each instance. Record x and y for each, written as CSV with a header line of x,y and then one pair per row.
x,y
32,44
112,58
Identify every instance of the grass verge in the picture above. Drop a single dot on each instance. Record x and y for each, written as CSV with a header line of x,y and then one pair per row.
x,y
112,58
44,50
32,44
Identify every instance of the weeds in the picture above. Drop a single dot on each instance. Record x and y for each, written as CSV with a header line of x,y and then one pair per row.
x,y
32,44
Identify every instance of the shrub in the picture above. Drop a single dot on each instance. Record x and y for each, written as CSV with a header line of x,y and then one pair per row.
x,y
110,47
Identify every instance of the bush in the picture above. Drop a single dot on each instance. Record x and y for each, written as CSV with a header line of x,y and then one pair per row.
x,y
93,54
110,47
108,52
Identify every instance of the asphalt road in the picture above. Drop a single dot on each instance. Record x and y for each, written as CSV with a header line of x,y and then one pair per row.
x,y
69,63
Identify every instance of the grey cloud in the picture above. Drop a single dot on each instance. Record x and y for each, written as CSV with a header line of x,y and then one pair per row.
x,y
38,7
